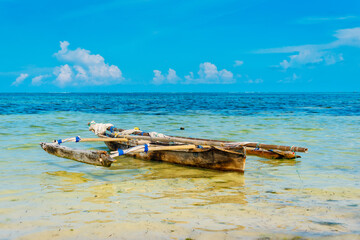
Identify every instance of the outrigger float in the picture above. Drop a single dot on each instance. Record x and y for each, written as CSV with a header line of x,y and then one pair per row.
x,y
203,153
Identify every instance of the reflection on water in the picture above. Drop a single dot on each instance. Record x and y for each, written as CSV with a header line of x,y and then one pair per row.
x,y
211,187
66,181
69,177
279,162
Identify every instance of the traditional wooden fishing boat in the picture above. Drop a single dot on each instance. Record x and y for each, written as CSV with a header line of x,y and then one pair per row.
x,y
204,153
190,155
214,154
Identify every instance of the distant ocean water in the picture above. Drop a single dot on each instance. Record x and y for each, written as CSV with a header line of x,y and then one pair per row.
x,y
318,195
294,104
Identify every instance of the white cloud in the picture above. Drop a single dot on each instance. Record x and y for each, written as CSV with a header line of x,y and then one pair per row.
x,y
189,77
290,79
311,20
105,71
249,80
37,81
318,53
64,75
90,69
238,63
311,57
226,75
294,76
77,56
208,71
63,47
20,79
255,81
81,73
158,77
170,77
347,37
209,74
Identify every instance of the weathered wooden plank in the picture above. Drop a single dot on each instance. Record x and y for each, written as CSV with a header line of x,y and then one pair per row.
x,y
98,158
216,143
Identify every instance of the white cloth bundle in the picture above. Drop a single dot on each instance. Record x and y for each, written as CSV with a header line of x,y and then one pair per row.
x,y
99,128
129,132
155,134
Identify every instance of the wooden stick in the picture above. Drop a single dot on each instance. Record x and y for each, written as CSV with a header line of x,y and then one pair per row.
x,y
104,140
141,149
78,139
146,136
217,143
181,147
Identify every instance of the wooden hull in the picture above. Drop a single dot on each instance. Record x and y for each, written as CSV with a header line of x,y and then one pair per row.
x,y
212,158
99,158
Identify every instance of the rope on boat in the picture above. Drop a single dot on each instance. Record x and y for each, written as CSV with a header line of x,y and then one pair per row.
x,y
239,144
73,139
120,152
129,132
136,130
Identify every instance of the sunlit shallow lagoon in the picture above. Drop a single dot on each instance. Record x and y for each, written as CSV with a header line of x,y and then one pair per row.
x,y
316,196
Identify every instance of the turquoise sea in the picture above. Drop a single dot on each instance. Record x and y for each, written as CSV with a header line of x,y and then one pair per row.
x,y
316,196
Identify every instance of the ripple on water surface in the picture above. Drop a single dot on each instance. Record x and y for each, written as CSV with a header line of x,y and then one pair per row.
x,y
316,195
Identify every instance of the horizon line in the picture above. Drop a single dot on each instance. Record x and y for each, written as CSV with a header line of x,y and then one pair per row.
x,y
186,92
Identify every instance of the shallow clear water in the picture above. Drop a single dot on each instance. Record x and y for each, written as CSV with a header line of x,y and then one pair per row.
x,y
42,196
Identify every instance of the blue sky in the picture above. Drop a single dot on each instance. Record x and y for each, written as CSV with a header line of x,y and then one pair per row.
x,y
182,46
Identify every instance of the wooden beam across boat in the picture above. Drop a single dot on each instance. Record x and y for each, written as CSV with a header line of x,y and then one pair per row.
x,y
103,140
217,143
